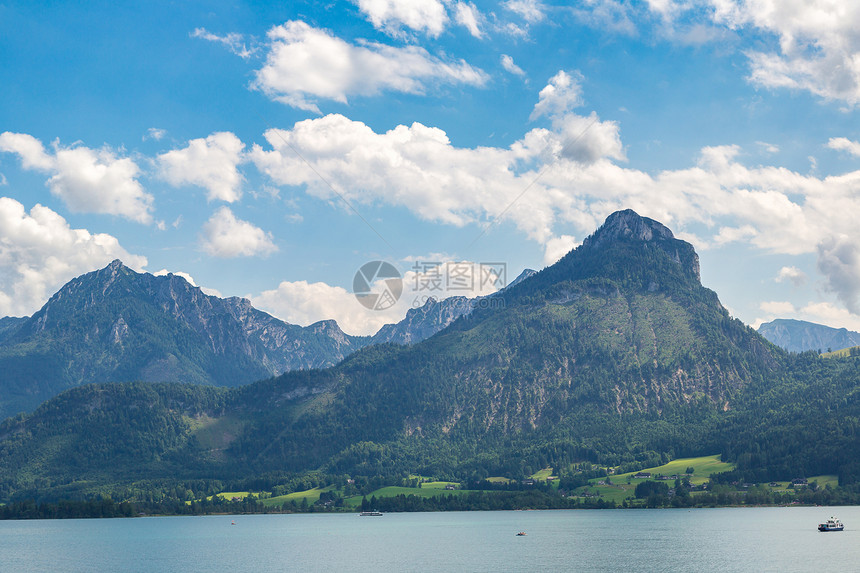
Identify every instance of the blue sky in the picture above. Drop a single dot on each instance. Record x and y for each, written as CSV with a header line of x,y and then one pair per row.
x,y
270,150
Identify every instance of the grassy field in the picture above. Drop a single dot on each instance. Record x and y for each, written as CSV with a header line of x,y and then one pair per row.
x,y
438,484
703,467
392,491
622,486
840,353
312,495
618,488
542,474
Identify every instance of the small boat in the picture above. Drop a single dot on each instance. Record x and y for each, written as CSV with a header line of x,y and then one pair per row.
x,y
370,514
521,534
831,524
232,523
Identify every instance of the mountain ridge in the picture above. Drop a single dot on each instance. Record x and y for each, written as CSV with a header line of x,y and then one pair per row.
x,y
115,324
800,335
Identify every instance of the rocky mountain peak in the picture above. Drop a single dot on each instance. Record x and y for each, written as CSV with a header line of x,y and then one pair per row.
x,y
628,224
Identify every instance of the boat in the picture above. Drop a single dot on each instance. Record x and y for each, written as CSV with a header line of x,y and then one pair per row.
x,y
831,524
370,514
521,534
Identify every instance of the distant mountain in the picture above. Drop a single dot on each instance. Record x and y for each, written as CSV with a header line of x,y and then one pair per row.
x,y
615,354
118,325
435,315
799,335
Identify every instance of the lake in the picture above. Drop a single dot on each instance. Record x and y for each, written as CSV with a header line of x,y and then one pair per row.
x,y
724,539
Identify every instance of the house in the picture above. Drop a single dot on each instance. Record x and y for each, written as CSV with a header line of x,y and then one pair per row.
x,y
799,481
643,475
450,486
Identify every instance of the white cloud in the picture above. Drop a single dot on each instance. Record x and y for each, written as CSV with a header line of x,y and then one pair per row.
x,y
831,315
844,144
234,42
211,163
793,274
818,312
839,262
417,167
226,236
186,276
190,279
532,11
390,16
304,303
608,15
778,308
155,133
550,183
561,95
305,64
87,180
468,16
509,65
39,252
818,44
557,247
768,148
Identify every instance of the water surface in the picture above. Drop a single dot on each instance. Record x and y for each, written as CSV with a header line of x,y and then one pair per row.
x,y
729,539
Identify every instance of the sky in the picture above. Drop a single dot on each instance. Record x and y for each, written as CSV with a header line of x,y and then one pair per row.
x,y
272,150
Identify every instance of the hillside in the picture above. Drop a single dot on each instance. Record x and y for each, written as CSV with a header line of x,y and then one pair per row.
x,y
615,355
799,335
118,325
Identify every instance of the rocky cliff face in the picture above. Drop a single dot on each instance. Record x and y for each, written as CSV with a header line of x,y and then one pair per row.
x,y
628,225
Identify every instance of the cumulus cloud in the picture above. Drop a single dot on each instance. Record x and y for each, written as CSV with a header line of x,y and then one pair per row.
x,y
844,144
226,236
839,262
155,133
557,247
304,303
818,44
87,180
793,274
190,279
211,163
305,64
391,16
561,96
509,66
818,312
778,308
551,190
39,252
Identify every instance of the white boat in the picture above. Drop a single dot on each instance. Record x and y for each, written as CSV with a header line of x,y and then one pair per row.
x,y
370,514
831,524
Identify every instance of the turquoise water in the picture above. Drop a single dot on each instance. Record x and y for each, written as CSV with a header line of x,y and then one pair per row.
x,y
732,539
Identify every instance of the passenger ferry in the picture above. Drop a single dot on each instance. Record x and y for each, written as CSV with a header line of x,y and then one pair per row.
x,y
831,524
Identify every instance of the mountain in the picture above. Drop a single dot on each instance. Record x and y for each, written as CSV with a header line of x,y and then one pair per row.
x,y
9,324
799,335
435,315
614,355
118,325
